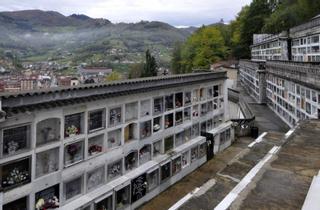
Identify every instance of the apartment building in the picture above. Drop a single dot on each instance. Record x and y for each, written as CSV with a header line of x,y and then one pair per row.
x,y
109,146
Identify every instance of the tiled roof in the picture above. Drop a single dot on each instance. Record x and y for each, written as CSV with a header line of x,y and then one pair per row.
x,y
46,98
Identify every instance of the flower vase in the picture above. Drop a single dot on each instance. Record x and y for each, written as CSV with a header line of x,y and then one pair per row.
x,y
11,151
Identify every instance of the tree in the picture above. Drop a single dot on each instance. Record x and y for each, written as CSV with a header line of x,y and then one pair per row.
x,y
150,67
176,65
114,76
236,43
136,70
290,13
284,16
217,42
252,23
203,48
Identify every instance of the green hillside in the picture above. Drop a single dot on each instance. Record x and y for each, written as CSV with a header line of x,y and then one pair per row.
x,y
36,35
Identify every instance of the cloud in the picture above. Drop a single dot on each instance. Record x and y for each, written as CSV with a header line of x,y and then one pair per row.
x,y
175,12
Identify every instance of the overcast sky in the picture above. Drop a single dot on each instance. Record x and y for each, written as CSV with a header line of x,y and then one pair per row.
x,y
174,12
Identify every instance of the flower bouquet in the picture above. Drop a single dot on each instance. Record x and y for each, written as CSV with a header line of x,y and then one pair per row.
x,y
51,203
156,127
72,130
15,177
12,147
72,150
94,149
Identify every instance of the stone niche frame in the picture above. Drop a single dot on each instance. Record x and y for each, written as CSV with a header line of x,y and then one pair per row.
x,y
48,130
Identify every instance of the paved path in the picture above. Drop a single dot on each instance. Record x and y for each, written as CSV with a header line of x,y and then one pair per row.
x,y
266,119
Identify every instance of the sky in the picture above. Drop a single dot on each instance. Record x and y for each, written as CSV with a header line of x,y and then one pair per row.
x,y
174,12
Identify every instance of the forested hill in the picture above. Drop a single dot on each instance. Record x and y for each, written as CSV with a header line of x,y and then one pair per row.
x,y
42,35
268,16
232,41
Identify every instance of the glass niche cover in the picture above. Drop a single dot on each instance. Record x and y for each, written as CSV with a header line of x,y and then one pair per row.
x,y
157,148
194,154
179,140
96,120
157,124
179,118
157,105
73,153
168,143
73,188
168,121
114,170
47,162
185,159
47,198
95,145
95,178
169,104
145,129
176,165
165,171
114,138
115,116
131,111
123,197
145,107
20,204
105,204
48,131
16,139
187,98
73,124
145,154
179,100
15,174
131,160
153,179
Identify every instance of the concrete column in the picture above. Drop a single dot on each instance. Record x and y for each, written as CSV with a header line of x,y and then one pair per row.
x,y
226,101
262,86
2,113
1,200
284,51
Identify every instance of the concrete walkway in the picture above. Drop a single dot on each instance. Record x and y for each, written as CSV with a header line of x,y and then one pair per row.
x,y
199,177
230,176
226,169
266,120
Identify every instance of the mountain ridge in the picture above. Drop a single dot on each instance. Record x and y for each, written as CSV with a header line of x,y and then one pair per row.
x,y
38,35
